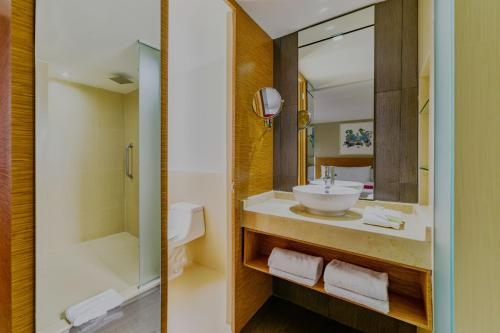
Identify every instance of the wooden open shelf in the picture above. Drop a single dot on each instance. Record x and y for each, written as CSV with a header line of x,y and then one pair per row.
x,y
410,292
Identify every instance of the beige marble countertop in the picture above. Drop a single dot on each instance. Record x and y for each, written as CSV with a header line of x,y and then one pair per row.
x,y
283,204
278,213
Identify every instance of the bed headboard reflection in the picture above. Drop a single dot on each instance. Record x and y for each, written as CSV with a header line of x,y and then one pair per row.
x,y
341,162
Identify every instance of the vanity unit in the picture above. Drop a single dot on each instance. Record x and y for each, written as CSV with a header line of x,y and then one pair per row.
x,y
347,101
275,219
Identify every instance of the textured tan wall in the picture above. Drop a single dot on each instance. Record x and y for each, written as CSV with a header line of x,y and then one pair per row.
x,y
253,156
18,218
477,160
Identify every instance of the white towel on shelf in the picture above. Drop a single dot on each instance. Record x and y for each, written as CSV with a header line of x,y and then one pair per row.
x,y
296,263
357,279
382,217
292,278
93,307
372,303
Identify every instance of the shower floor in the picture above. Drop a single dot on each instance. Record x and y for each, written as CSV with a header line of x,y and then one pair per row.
x,y
82,271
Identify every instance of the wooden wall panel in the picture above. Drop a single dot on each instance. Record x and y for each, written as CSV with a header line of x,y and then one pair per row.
x,y
23,160
388,45
477,166
286,74
396,100
409,104
387,157
409,47
164,164
252,157
408,177
5,181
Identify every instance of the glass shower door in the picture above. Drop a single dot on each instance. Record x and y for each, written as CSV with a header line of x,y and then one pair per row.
x,y
150,164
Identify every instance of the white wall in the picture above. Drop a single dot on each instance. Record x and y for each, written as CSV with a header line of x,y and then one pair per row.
x,y
198,112
80,134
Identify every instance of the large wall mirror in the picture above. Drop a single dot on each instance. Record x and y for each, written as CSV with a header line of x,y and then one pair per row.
x,y
356,78
336,79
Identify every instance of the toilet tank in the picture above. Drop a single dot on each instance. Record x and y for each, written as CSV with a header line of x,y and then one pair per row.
x,y
186,222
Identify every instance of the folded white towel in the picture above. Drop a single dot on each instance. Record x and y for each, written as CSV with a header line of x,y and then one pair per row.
x,y
375,304
293,278
296,263
381,217
357,279
93,307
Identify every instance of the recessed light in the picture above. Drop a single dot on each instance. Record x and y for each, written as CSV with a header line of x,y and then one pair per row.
x,y
323,10
330,27
338,38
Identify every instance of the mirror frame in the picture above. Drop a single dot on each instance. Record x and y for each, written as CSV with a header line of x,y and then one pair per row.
x,y
267,120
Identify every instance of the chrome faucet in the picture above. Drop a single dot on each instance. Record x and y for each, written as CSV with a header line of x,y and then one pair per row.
x,y
328,177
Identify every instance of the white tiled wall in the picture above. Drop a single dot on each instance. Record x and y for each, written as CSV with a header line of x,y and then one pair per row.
x,y
81,135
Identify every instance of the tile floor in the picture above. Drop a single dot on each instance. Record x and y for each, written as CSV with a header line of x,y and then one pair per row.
x,y
196,304
82,271
195,307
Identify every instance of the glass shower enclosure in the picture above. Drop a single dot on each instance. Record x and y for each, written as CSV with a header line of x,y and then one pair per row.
x,y
150,163
98,176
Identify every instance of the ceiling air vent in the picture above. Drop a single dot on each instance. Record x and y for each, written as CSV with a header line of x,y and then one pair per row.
x,y
121,79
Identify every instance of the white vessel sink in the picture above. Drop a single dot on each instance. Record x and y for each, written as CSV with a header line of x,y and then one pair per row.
x,y
343,183
336,202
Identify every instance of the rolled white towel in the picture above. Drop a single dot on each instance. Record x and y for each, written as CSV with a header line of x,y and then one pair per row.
x,y
357,279
296,263
292,278
93,307
375,304
381,217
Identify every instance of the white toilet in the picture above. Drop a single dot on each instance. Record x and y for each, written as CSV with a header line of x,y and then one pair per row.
x,y
186,222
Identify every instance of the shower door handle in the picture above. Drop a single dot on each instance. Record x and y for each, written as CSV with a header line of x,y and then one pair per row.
x,y
128,161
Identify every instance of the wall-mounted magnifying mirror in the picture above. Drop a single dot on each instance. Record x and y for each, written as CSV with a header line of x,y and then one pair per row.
x,y
267,104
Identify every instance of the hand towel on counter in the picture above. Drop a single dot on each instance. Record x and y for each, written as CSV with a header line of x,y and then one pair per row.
x,y
296,263
381,217
293,278
357,279
93,307
375,304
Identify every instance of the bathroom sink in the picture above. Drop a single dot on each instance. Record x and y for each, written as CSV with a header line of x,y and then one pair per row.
x,y
319,200
343,183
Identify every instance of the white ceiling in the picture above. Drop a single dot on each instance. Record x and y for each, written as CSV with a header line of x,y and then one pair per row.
x,y
339,61
282,17
89,41
353,101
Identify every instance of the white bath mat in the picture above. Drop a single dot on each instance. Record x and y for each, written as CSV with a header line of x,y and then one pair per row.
x,y
93,307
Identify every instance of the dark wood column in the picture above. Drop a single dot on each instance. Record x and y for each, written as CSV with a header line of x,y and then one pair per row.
x,y
286,73
396,100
